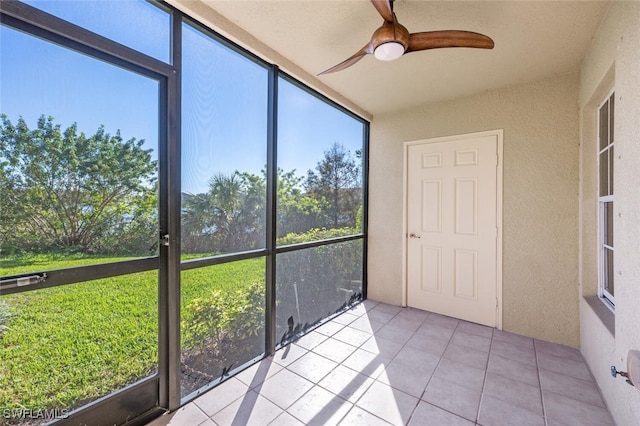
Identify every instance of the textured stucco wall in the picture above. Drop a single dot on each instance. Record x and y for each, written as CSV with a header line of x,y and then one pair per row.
x,y
614,48
540,208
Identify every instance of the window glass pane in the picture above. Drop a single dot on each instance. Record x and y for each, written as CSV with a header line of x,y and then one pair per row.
x,y
320,167
313,283
608,220
66,346
604,126
78,148
224,148
612,115
137,24
604,173
611,161
609,285
223,313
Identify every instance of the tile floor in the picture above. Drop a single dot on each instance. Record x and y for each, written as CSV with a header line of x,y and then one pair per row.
x,y
379,364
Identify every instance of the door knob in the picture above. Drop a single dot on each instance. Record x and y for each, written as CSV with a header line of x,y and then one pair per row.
x,y
413,235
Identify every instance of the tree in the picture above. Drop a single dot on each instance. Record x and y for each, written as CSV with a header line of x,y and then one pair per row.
x,y
297,212
229,217
69,190
337,180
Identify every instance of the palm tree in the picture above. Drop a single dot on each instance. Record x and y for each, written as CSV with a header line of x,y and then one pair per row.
x,y
229,217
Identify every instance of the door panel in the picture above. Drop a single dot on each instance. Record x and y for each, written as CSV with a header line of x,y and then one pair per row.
x,y
452,228
466,274
431,205
431,266
466,208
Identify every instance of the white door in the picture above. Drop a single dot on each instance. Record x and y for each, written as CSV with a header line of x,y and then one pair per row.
x,y
452,229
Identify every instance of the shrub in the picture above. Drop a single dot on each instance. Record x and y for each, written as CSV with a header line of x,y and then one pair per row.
x,y
212,321
314,283
315,234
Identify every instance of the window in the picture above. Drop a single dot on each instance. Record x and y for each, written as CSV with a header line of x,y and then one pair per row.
x,y
224,148
223,211
80,177
172,209
320,197
606,288
141,25
320,167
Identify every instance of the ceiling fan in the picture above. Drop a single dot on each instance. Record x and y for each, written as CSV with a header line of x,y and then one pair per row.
x,y
393,40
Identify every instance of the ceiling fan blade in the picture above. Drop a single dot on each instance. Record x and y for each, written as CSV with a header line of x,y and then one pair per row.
x,y
384,8
351,60
448,38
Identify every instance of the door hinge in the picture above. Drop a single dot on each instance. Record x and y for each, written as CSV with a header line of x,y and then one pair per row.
x,y
164,240
496,302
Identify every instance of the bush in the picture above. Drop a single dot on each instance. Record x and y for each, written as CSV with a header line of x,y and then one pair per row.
x,y
222,317
315,234
219,332
314,283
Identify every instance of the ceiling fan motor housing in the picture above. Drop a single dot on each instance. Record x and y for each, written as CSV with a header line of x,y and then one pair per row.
x,y
390,32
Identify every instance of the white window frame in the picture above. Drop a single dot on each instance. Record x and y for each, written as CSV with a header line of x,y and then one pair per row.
x,y
603,293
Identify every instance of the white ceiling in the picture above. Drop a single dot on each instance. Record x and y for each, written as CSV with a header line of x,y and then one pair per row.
x,y
533,40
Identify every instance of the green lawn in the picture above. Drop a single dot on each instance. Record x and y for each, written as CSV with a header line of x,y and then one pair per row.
x,y
67,345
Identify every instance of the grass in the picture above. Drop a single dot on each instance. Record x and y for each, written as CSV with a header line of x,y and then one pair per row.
x,y
4,315
67,345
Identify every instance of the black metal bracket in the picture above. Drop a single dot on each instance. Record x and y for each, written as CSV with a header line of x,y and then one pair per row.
x,y
615,372
22,280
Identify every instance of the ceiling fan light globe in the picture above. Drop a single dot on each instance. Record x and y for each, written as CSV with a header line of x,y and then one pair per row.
x,y
389,51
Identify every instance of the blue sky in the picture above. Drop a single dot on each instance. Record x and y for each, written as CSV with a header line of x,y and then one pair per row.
x,y
72,88
224,94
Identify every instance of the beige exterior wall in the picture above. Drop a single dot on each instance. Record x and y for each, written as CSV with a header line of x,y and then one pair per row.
x,y
613,60
540,204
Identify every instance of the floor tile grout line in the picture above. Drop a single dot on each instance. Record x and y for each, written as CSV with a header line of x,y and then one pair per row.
x,y
484,382
317,383
286,367
393,358
194,402
509,378
357,372
425,387
578,401
368,412
433,374
205,414
309,390
544,405
390,361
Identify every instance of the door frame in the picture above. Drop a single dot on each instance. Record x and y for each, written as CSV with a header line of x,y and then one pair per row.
x,y
498,133
152,395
